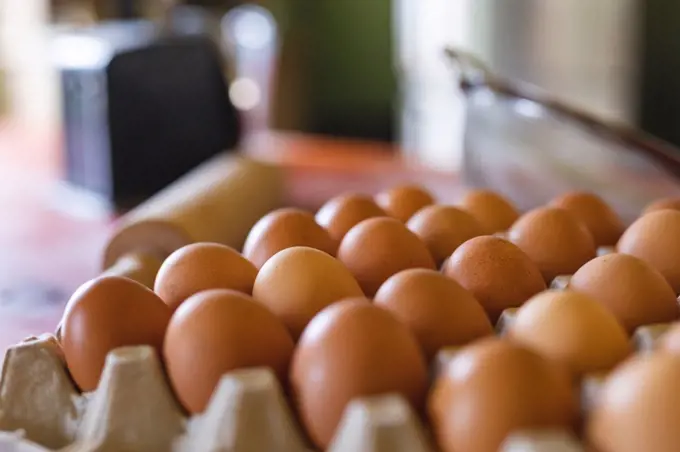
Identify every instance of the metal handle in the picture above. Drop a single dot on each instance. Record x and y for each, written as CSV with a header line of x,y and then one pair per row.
x,y
471,70
473,74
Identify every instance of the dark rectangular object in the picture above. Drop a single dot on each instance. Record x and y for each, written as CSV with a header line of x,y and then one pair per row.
x,y
141,111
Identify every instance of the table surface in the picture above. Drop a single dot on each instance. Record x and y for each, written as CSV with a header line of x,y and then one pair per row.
x,y
46,250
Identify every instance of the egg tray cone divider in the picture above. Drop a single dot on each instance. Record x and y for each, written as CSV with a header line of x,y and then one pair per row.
x,y
384,423
134,409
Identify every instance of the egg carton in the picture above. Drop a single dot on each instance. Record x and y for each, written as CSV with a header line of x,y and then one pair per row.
x,y
134,409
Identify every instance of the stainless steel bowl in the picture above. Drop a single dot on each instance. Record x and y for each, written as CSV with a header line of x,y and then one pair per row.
x,y
531,147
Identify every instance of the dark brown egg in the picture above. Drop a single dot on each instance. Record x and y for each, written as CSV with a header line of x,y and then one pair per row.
x,y
342,213
437,309
217,331
638,407
402,202
377,248
285,228
629,288
600,219
672,203
492,388
655,238
493,212
203,266
106,313
496,272
443,229
349,350
554,239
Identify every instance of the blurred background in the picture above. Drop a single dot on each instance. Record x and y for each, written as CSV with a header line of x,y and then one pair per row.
x,y
365,69
75,72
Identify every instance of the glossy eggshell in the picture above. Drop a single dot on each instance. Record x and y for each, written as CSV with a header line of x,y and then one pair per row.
x,y
403,201
638,407
494,387
297,283
629,288
554,239
217,331
494,212
436,309
377,248
600,219
443,229
353,349
672,203
106,313
496,272
655,238
571,329
285,228
342,213
203,266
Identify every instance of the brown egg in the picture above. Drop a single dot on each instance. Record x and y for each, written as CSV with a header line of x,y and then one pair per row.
x,y
600,219
284,228
494,212
670,341
297,283
638,407
443,229
632,290
571,329
436,309
402,202
672,203
353,349
203,266
217,331
494,387
554,239
342,213
377,248
496,272
655,238
106,313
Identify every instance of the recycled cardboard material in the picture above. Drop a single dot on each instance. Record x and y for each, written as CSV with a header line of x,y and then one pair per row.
x,y
134,409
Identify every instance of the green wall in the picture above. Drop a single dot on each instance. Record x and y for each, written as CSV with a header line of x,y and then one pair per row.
x,y
336,74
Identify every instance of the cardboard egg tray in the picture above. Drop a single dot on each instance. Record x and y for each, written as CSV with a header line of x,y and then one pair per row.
x,y
134,409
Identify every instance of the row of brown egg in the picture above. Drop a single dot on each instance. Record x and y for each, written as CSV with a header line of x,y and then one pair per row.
x,y
294,300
